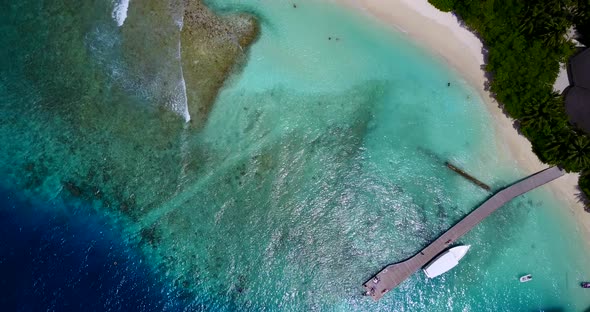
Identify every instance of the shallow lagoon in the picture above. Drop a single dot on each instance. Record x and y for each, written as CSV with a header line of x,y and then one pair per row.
x,y
321,162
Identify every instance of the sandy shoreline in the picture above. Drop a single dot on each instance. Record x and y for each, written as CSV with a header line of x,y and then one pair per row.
x,y
442,33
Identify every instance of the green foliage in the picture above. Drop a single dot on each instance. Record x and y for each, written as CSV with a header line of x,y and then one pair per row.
x,y
525,43
584,186
443,5
582,21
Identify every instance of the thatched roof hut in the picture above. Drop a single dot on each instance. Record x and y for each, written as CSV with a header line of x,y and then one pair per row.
x,y
577,97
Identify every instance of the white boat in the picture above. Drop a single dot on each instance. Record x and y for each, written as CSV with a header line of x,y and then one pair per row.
x,y
445,261
526,278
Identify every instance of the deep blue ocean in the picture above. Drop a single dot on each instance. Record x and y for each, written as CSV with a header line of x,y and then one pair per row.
x,y
321,161
59,258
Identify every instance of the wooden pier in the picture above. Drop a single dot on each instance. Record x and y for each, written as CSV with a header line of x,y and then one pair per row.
x,y
468,176
394,274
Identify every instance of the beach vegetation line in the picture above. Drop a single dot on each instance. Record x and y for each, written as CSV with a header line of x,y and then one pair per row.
x,y
525,41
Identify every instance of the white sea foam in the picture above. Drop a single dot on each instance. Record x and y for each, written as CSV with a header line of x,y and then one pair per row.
x,y
184,98
167,86
185,113
177,10
120,12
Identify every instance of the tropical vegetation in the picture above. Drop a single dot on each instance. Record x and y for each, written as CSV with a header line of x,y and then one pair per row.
x,y
525,42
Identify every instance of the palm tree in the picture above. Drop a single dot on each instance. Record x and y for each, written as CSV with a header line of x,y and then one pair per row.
x,y
579,153
547,20
543,114
553,150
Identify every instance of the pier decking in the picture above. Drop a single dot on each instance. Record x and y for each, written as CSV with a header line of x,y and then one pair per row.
x,y
394,274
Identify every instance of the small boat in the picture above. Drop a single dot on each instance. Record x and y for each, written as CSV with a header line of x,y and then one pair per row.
x,y
445,261
526,278
586,285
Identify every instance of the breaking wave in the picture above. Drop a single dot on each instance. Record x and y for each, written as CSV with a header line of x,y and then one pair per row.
x,y
120,12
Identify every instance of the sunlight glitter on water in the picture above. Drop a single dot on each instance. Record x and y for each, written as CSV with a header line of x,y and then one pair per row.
x,y
322,161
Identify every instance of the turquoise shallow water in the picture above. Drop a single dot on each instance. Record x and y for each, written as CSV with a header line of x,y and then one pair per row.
x,y
322,161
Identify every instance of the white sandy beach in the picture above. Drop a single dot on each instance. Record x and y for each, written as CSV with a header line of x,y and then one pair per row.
x,y
442,34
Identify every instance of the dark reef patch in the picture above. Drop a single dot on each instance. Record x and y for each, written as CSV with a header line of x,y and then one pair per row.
x,y
213,47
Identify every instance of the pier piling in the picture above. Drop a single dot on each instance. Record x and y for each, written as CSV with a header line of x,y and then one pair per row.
x,y
468,177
